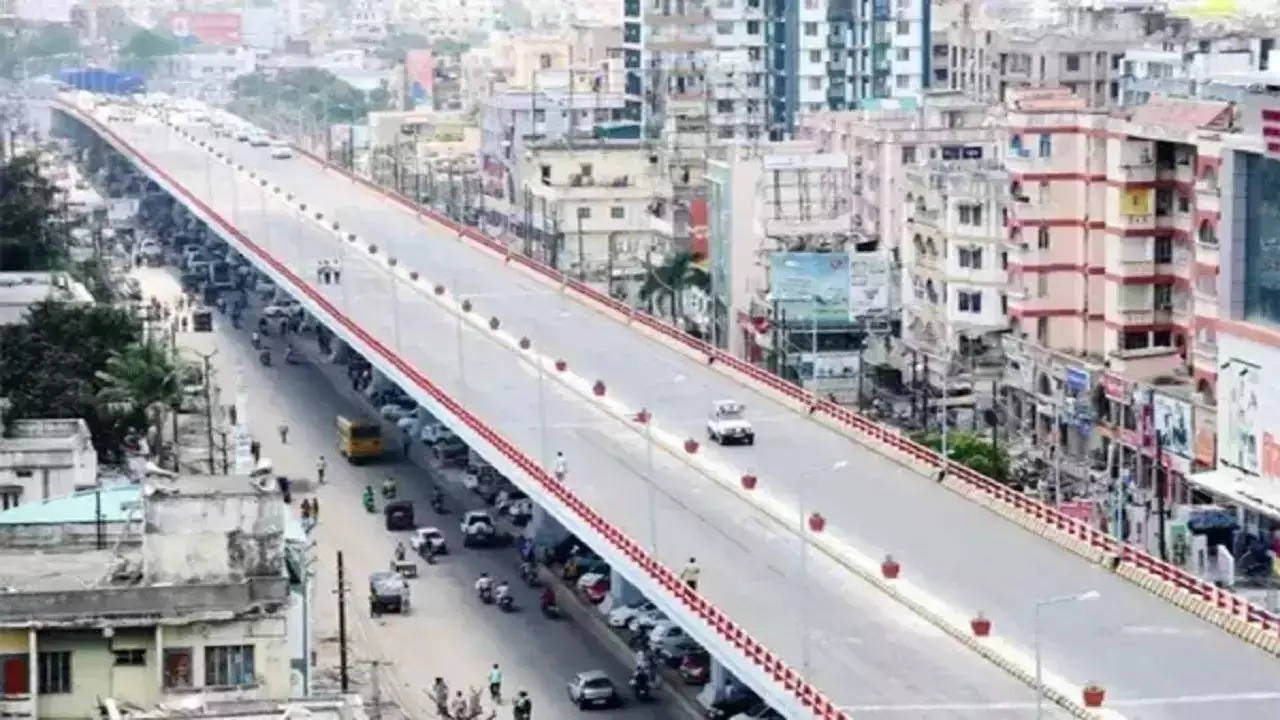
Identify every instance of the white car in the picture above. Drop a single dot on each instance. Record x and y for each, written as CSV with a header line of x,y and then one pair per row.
x,y
474,518
429,536
434,432
586,580
279,310
666,636
281,151
242,134
620,616
395,411
593,688
643,622
259,140
728,423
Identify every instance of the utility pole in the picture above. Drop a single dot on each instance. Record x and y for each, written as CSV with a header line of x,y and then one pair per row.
x,y
208,409
375,698
342,627
1160,477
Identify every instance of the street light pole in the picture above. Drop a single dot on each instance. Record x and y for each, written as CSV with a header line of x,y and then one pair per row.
x,y
803,531
1035,629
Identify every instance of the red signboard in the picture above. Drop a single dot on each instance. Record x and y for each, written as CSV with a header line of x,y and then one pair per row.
x,y
206,28
1115,387
698,244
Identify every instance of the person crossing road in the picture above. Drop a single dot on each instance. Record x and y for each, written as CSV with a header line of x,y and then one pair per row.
x,y
495,684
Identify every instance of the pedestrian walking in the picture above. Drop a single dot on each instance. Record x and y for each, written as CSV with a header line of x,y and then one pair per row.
x,y
689,575
474,708
184,323
440,695
315,509
495,684
284,434
320,466
305,509
459,708
255,449
522,708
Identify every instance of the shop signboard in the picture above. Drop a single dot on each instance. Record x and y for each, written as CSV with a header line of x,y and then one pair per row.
x,y
1115,388
207,28
1082,510
1077,380
1173,424
809,286
1136,201
1206,438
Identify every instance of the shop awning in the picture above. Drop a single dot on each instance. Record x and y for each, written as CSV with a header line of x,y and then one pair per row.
x,y
1255,493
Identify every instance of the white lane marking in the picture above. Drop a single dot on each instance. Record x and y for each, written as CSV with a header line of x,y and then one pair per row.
x,y
1260,696
1154,630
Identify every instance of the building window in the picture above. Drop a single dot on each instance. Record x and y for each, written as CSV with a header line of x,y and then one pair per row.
x,y
725,132
1164,250
754,79
1042,238
970,214
904,54
1073,62
584,212
724,28
1162,338
753,28
971,258
815,83
908,154
1046,145
724,106
10,497
617,212
904,27
132,657
754,54
1134,340
1162,295
815,56
228,665
902,82
969,301
55,672
811,29
177,667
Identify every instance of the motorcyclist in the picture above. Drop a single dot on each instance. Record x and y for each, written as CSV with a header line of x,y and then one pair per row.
x,y
484,584
503,591
527,571
399,551
440,695
640,681
522,706
288,354
368,496
561,466
437,497
257,340
548,598
389,488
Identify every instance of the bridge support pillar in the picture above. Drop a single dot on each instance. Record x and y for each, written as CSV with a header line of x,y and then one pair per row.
x,y
543,529
717,684
622,592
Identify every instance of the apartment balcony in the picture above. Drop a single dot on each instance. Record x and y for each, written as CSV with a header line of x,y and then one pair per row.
x,y
1136,171
1206,305
693,17
1134,268
1174,172
1208,253
581,188
1133,223
835,41
1208,199
1204,355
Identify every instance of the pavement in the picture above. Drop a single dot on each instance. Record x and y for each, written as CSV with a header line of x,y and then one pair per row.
x,y
955,549
447,632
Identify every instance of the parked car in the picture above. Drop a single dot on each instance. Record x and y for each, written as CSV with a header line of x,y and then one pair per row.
x,y
666,636
737,699
593,688
621,615
398,409
450,451
728,423
695,668
434,432
281,151
596,592
673,654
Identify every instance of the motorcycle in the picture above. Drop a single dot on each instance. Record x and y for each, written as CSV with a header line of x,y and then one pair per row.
x,y
506,602
437,503
265,358
389,490
485,594
551,610
368,502
640,686
529,574
290,358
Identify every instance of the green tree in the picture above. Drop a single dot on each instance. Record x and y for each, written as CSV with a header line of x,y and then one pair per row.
x,y
144,380
49,364
145,46
973,451
397,46
28,240
669,281
321,96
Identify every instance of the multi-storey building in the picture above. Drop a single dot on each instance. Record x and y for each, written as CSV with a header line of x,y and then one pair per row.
x,y
954,305
1082,51
608,203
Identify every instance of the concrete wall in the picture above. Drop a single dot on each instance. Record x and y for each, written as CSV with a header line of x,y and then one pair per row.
x,y
213,538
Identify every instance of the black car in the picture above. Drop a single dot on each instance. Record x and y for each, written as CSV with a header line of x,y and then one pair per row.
x,y
451,451
740,700
399,515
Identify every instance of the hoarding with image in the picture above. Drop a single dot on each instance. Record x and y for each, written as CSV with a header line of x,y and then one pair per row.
x,y
1173,424
868,283
420,67
206,28
1248,415
806,285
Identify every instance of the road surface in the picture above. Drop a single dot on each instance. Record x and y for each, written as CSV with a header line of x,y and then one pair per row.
x,y
955,549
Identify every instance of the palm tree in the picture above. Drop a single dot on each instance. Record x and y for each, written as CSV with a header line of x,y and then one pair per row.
x,y
670,279
144,378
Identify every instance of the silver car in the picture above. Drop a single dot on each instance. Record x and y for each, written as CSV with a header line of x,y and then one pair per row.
x,y
593,688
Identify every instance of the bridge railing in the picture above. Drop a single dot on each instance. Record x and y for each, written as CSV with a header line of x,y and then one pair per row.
x,y
717,620
864,427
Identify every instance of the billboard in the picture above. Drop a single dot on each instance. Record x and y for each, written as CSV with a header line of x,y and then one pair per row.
x,y
42,11
206,28
420,77
868,283
810,286
1173,424
1248,415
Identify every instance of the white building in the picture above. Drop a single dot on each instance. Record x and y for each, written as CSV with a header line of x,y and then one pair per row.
x,y
955,265
44,459
1148,70
609,201
20,290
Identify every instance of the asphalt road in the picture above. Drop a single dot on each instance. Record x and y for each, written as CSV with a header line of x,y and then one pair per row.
x,y
448,632
1138,646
